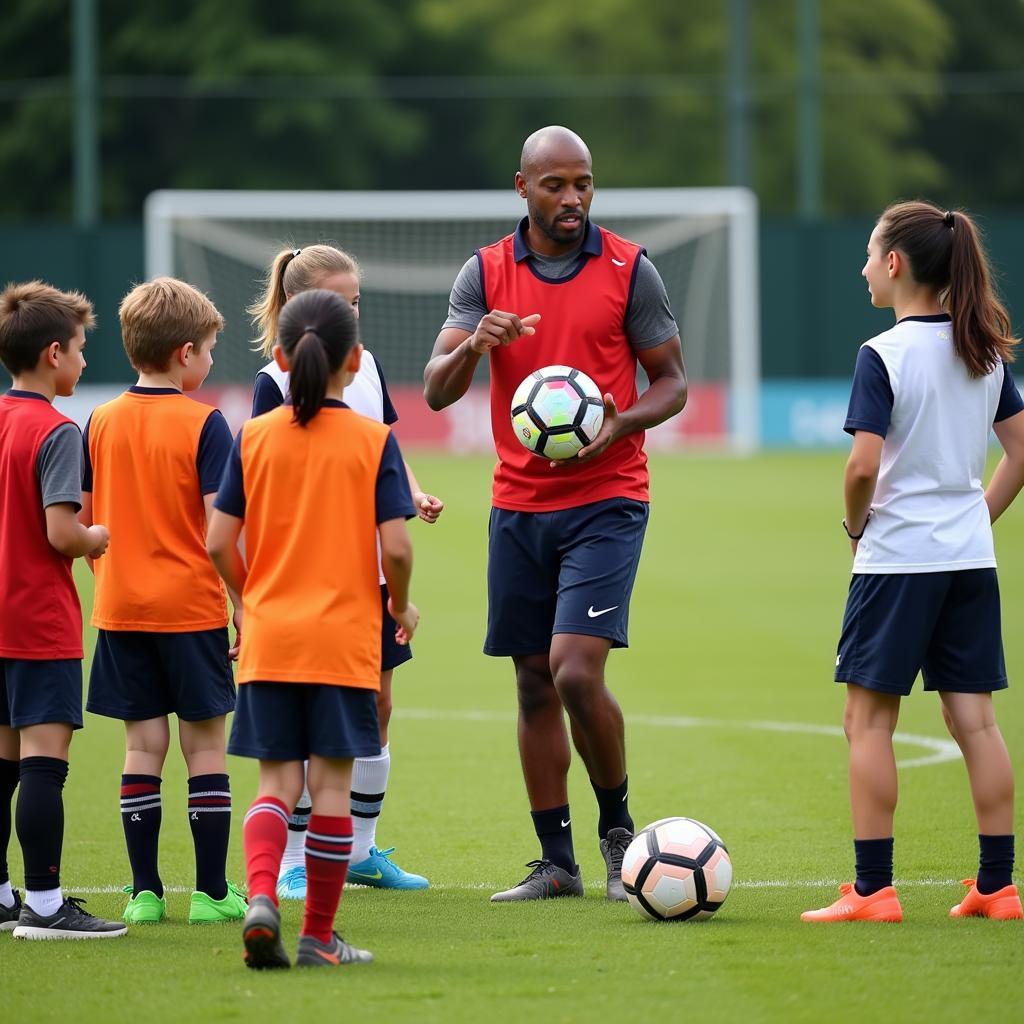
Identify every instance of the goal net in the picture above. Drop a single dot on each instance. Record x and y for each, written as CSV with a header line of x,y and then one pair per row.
x,y
411,245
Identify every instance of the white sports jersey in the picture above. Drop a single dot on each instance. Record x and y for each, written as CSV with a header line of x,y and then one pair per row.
x,y
929,503
365,395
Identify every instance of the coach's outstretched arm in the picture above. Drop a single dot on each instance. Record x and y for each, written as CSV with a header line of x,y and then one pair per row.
x,y
449,372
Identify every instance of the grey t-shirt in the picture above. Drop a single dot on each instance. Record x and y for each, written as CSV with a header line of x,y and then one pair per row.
x,y
649,321
59,466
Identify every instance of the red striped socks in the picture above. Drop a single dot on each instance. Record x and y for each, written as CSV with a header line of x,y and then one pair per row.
x,y
328,851
264,834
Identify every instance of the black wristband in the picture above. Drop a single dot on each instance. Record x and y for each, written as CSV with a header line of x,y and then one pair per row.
x,y
857,536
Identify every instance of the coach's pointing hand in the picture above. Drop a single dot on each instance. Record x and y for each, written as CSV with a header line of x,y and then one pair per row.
x,y
498,328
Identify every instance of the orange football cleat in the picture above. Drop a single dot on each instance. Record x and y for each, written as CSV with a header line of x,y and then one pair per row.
x,y
1001,905
883,905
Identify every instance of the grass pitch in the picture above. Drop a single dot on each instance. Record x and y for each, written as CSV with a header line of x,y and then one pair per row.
x,y
731,718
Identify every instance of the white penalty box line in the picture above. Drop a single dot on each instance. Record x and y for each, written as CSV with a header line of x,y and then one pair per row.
x,y
940,750
748,883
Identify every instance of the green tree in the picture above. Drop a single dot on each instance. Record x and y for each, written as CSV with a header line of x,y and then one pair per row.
x,y
668,127
440,93
976,133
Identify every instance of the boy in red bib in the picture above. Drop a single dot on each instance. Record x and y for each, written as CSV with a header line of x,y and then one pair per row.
x,y
42,335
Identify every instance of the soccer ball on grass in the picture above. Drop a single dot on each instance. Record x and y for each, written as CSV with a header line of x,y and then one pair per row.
x,y
676,869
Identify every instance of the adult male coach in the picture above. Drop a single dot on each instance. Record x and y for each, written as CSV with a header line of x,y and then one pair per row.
x,y
565,539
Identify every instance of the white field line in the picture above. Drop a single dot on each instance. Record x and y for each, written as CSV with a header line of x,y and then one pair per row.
x,y
748,883
942,750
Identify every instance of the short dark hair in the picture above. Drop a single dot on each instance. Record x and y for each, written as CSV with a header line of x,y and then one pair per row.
x,y
33,315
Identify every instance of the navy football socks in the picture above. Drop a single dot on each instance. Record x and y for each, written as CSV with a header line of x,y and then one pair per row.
x,y
39,819
8,784
555,835
209,817
996,868
874,864
141,815
613,810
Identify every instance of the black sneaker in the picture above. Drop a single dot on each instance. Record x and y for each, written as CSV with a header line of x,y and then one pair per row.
x,y
69,922
545,882
261,933
613,849
9,915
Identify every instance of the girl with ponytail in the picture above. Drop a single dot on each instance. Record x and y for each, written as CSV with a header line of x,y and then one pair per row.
x,y
294,272
317,487
924,595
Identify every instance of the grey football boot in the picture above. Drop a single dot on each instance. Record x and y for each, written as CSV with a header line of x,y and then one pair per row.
x,y
613,849
261,934
314,953
546,881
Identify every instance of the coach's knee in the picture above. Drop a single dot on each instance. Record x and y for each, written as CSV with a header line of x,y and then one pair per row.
x,y
534,688
579,685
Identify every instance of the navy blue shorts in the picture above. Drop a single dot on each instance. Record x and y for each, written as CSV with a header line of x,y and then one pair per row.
x,y
942,624
40,692
392,653
570,571
136,676
292,721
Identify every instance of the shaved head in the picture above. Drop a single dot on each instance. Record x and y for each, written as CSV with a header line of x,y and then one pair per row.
x,y
553,144
556,179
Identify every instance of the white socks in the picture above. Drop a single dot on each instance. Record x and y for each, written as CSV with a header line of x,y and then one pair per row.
x,y
45,902
298,823
369,785
6,895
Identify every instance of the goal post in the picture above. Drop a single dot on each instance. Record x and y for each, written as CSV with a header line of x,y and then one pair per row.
x,y
411,245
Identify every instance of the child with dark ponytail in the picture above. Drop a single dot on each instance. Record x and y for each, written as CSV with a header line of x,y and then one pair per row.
x,y
313,484
291,273
924,596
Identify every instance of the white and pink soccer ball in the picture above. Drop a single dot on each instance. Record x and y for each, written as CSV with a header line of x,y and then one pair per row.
x,y
676,869
556,411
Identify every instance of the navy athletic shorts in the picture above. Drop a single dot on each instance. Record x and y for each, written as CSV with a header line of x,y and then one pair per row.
x,y
40,692
569,571
943,624
292,721
136,676
392,653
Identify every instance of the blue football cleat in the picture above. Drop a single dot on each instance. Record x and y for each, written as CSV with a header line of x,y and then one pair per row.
x,y
378,871
292,884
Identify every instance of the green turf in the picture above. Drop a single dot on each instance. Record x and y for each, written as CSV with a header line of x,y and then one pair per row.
x,y
735,618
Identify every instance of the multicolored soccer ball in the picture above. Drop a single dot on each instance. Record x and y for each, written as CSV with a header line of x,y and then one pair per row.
x,y
676,869
557,411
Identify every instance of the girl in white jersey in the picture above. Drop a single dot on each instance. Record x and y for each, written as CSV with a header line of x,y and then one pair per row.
x,y
294,271
924,596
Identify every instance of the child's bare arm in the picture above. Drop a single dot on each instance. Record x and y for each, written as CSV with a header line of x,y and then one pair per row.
x,y
1008,477
396,561
222,547
71,537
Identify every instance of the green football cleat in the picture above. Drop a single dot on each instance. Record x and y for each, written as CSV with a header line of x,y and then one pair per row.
x,y
204,910
145,907
378,870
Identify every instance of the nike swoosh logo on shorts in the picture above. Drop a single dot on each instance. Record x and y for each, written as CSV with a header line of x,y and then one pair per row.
x,y
565,824
604,611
